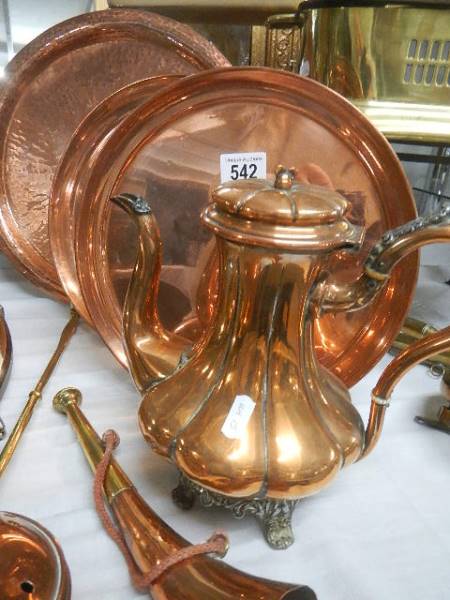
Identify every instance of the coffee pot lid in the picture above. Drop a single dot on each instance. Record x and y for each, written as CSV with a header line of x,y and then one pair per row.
x,y
285,214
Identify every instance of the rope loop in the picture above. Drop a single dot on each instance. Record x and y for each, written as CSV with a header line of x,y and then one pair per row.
x,y
216,545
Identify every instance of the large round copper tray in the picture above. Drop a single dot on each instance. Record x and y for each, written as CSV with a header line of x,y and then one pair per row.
x,y
169,148
32,564
50,86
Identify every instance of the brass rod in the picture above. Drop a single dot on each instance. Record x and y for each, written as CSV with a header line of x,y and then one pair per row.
x,y
33,397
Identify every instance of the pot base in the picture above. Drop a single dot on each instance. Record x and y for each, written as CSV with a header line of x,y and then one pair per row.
x,y
275,515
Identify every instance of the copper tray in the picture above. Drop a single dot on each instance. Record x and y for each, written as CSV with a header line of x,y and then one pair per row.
x,y
32,564
169,150
50,86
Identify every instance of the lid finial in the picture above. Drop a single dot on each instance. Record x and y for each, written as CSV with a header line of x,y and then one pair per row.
x,y
284,178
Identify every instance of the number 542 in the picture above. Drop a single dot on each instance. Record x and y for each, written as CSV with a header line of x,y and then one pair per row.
x,y
243,172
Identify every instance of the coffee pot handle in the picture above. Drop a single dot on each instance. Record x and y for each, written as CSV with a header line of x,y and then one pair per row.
x,y
393,246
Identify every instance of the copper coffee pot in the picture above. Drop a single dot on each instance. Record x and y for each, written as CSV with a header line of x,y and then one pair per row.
x,y
250,418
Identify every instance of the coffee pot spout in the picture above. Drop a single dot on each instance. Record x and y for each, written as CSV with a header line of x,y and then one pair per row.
x,y
152,351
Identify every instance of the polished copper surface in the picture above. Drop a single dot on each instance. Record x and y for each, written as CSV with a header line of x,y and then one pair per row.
x,y
5,347
170,147
150,540
273,244
65,197
414,329
32,565
258,213
445,385
418,352
50,86
153,351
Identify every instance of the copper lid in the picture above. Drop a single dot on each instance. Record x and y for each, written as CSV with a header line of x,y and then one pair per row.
x,y
284,214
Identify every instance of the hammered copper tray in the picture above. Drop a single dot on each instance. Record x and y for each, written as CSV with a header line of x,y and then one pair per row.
x,y
168,150
50,86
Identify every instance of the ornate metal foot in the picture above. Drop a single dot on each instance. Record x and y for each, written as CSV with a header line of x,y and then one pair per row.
x,y
277,524
183,495
275,515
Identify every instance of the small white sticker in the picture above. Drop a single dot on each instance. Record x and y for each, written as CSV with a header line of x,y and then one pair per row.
x,y
240,412
245,165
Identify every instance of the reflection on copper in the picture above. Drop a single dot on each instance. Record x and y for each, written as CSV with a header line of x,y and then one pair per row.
x,y
32,564
50,86
5,347
65,197
421,350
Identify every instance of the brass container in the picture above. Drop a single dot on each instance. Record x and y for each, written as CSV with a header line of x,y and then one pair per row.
x,y
250,418
392,61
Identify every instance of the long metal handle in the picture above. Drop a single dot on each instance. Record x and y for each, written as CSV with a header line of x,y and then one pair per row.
x,y
33,397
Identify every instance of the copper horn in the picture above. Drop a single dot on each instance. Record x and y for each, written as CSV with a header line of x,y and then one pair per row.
x,y
150,540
